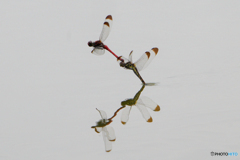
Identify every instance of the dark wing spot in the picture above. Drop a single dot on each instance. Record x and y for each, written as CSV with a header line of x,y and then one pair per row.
x,y
148,54
123,122
107,24
109,17
155,50
157,108
150,120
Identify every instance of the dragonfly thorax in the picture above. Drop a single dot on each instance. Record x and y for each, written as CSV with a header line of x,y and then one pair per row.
x,y
102,123
97,44
127,65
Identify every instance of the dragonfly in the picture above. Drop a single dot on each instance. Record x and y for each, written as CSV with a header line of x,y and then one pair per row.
x,y
140,64
142,103
107,131
98,46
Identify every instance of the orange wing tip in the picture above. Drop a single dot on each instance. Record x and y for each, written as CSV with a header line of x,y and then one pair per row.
x,y
108,150
123,122
150,119
107,24
155,50
112,140
109,17
148,54
157,108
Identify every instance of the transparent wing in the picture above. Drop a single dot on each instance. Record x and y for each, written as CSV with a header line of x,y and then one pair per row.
x,y
98,51
108,144
106,28
148,103
103,114
130,56
144,112
110,133
145,59
125,114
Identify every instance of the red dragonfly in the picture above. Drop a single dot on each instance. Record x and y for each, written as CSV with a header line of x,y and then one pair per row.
x,y
99,47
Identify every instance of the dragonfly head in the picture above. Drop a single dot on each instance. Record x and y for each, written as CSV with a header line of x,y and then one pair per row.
x,y
122,64
90,43
121,61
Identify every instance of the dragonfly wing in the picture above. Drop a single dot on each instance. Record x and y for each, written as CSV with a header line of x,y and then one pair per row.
x,y
106,28
125,114
98,51
145,59
110,133
144,112
108,144
130,56
103,114
149,103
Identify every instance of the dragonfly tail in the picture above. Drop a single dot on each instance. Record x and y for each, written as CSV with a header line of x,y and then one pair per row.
x,y
138,75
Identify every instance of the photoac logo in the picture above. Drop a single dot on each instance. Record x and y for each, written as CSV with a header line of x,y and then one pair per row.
x,y
224,153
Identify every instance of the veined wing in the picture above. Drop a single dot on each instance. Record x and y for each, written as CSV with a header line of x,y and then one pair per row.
x,y
143,100
108,144
106,28
130,56
145,59
110,133
144,112
125,114
98,51
103,114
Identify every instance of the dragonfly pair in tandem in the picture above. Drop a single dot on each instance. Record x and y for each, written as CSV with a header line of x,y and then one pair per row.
x,y
99,49
140,102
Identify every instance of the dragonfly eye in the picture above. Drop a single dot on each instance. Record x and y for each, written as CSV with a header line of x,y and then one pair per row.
x,y
90,44
122,64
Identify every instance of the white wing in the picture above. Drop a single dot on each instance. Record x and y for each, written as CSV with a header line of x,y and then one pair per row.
x,y
108,144
148,103
130,56
103,114
145,59
106,28
125,114
98,51
110,133
144,112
